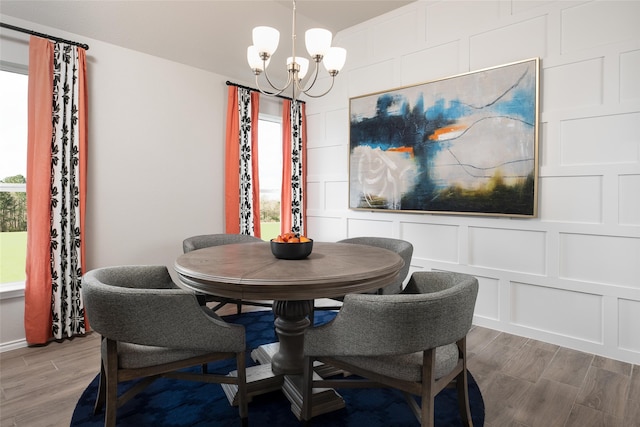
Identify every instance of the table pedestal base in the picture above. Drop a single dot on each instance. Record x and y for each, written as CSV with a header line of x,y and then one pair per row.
x,y
261,380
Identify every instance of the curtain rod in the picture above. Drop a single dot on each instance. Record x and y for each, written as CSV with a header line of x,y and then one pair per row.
x,y
44,36
257,90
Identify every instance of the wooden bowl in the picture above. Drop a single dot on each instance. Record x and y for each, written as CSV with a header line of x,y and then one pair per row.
x,y
291,250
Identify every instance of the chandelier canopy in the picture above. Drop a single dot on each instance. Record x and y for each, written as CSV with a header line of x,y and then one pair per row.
x,y
318,43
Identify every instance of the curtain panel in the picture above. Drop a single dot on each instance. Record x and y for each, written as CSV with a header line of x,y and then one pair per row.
x,y
242,186
293,207
56,188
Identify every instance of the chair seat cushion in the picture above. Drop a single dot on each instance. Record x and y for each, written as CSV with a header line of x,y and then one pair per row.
x,y
406,367
133,356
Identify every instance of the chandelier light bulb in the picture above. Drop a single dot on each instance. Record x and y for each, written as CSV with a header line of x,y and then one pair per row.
x,y
334,60
318,41
266,39
254,60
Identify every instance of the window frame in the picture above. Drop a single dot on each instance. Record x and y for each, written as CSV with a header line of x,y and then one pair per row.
x,y
13,289
277,119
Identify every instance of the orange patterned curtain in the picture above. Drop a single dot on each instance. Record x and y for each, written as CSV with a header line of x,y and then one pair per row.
x,y
56,188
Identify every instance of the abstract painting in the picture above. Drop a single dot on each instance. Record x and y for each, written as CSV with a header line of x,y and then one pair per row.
x,y
466,144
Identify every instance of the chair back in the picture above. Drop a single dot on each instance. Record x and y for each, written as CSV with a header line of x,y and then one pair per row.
x,y
435,309
206,240
401,247
142,305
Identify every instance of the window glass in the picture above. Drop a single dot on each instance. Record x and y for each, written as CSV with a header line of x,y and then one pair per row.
x,y
13,173
270,171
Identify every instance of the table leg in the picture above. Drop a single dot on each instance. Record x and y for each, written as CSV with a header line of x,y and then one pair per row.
x,y
291,321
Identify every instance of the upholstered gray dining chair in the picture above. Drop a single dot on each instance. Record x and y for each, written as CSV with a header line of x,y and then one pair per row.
x,y
207,240
151,328
399,246
414,341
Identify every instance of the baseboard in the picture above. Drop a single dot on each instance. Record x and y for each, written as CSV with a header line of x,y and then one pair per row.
x,y
12,345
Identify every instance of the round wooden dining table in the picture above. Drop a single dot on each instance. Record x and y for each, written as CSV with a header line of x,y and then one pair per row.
x,y
249,271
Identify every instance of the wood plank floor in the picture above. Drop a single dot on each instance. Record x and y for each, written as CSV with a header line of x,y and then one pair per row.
x,y
525,383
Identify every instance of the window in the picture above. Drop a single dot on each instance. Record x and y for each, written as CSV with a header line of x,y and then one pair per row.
x,y
270,171
13,172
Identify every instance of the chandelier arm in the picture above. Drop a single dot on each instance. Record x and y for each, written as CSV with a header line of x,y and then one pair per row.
x,y
333,80
277,89
310,81
264,92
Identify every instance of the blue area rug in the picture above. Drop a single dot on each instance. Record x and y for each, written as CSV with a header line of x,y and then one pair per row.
x,y
170,403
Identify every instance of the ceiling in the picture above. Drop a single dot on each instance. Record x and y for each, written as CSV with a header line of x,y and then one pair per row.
x,y
211,35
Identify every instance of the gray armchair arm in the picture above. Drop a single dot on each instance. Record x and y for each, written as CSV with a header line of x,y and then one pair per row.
x,y
136,276
433,281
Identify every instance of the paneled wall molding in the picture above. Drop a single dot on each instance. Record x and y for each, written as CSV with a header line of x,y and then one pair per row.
x,y
570,276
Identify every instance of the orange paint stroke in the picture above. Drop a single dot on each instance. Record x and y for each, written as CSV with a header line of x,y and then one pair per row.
x,y
447,129
408,150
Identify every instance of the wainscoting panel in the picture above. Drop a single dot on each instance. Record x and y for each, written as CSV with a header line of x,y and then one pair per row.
x,y
339,160
337,195
440,18
337,126
530,34
365,227
629,204
333,228
316,126
582,139
315,195
442,60
360,83
432,241
629,325
572,85
629,72
504,249
577,198
601,259
385,38
583,26
574,314
488,301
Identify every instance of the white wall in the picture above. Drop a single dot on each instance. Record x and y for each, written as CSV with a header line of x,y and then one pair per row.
x,y
156,158
570,276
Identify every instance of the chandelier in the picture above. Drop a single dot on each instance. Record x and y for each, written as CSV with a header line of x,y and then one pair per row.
x,y
318,43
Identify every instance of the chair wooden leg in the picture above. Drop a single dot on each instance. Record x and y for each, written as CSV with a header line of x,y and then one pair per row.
x,y
102,389
428,381
111,370
462,386
243,406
